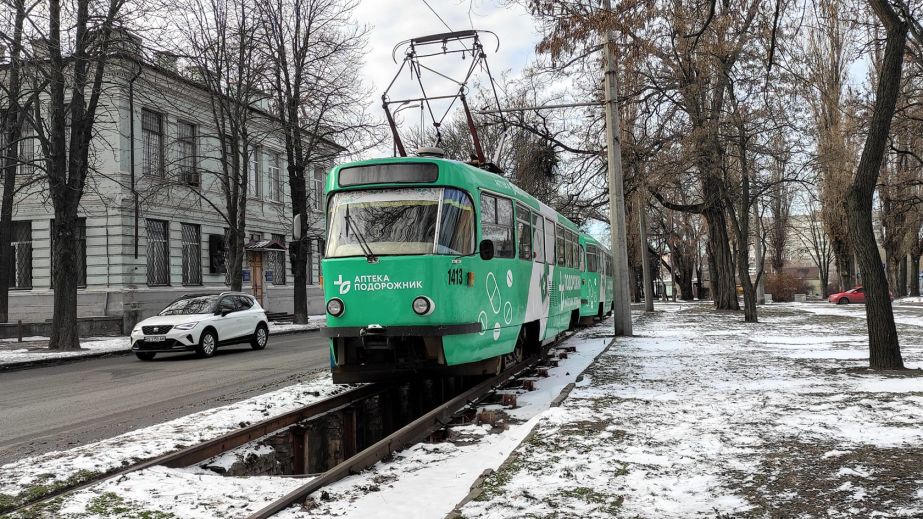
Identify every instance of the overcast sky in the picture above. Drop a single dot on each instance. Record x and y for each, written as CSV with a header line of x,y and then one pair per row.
x,y
392,21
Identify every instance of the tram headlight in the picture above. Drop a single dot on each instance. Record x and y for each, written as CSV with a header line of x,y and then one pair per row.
x,y
335,307
423,305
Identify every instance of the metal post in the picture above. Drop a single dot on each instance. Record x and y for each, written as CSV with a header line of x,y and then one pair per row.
x,y
622,312
758,252
645,257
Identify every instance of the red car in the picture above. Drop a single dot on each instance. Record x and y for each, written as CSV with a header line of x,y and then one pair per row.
x,y
856,295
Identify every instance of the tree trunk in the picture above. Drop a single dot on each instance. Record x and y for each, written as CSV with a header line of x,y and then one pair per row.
x,y
914,275
6,229
884,349
902,277
843,257
301,250
721,261
64,333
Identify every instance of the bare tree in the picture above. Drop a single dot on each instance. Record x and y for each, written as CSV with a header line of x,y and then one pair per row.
x,y
11,126
68,85
884,350
809,228
313,47
220,39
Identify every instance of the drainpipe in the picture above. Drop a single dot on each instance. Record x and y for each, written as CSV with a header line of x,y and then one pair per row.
x,y
131,146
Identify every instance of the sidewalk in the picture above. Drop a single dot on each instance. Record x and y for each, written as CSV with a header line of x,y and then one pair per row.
x,y
33,351
701,414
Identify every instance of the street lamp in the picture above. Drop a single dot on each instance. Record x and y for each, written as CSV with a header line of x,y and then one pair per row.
x,y
405,104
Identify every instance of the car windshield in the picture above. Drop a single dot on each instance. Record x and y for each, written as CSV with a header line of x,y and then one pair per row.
x,y
191,305
400,221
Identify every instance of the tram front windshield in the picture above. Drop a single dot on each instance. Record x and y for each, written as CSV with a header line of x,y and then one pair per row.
x,y
400,222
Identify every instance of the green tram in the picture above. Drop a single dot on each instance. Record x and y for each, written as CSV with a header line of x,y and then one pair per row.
x,y
436,266
596,285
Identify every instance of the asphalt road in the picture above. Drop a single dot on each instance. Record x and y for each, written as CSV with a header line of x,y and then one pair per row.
x,y
62,406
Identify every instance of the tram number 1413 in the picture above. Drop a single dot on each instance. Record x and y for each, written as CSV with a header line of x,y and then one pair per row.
x,y
456,277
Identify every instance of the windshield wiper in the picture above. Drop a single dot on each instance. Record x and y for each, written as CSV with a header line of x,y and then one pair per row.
x,y
366,249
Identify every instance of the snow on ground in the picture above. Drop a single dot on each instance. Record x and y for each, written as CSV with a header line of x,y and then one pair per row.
x,y
701,414
36,348
34,473
314,322
446,470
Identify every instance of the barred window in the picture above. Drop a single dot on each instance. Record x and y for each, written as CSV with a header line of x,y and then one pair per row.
x,y
186,149
256,181
158,253
192,254
21,256
275,177
81,252
152,143
275,261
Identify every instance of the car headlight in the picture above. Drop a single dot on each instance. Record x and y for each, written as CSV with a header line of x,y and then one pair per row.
x,y
423,305
186,326
335,307
136,330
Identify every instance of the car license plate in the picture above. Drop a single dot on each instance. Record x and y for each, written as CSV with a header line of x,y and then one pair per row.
x,y
155,338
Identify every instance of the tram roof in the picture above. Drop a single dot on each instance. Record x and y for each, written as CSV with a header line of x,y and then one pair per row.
x,y
452,173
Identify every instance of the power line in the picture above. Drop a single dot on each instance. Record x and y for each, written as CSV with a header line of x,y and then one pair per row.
x,y
437,15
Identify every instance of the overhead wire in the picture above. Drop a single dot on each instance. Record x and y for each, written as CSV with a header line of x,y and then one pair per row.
x,y
437,15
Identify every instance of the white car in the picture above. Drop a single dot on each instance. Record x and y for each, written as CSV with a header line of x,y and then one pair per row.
x,y
201,323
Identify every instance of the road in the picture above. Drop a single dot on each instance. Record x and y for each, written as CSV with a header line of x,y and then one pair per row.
x,y
60,407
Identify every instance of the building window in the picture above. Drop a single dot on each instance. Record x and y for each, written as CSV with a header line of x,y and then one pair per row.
x,y
275,177
192,254
21,256
317,188
158,253
255,180
152,143
186,148
27,146
275,262
81,253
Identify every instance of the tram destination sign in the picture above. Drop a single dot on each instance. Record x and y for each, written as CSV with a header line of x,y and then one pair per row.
x,y
399,173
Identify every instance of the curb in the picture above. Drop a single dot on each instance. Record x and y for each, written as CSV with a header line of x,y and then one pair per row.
x,y
52,361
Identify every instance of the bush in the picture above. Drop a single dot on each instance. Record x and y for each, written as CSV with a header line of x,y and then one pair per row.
x,y
783,286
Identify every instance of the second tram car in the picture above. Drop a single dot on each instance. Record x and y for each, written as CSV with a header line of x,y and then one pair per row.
x,y
436,266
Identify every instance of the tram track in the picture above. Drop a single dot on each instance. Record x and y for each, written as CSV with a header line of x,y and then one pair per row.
x,y
410,433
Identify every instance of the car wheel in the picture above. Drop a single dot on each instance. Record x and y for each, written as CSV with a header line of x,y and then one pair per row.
x,y
145,355
208,343
843,301
260,337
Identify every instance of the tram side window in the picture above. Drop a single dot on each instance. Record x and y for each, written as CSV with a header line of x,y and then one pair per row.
x,y
538,237
562,246
549,242
591,262
497,224
568,250
456,233
582,254
576,260
524,231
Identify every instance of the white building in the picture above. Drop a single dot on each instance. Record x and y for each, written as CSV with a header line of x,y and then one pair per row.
x,y
151,217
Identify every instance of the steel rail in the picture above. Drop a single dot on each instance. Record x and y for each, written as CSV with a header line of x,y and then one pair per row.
x,y
210,448
407,435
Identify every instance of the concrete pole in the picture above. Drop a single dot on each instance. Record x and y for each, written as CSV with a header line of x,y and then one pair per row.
x,y
645,257
622,313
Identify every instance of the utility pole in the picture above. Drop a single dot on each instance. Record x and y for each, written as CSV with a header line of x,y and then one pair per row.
x,y
622,312
645,257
